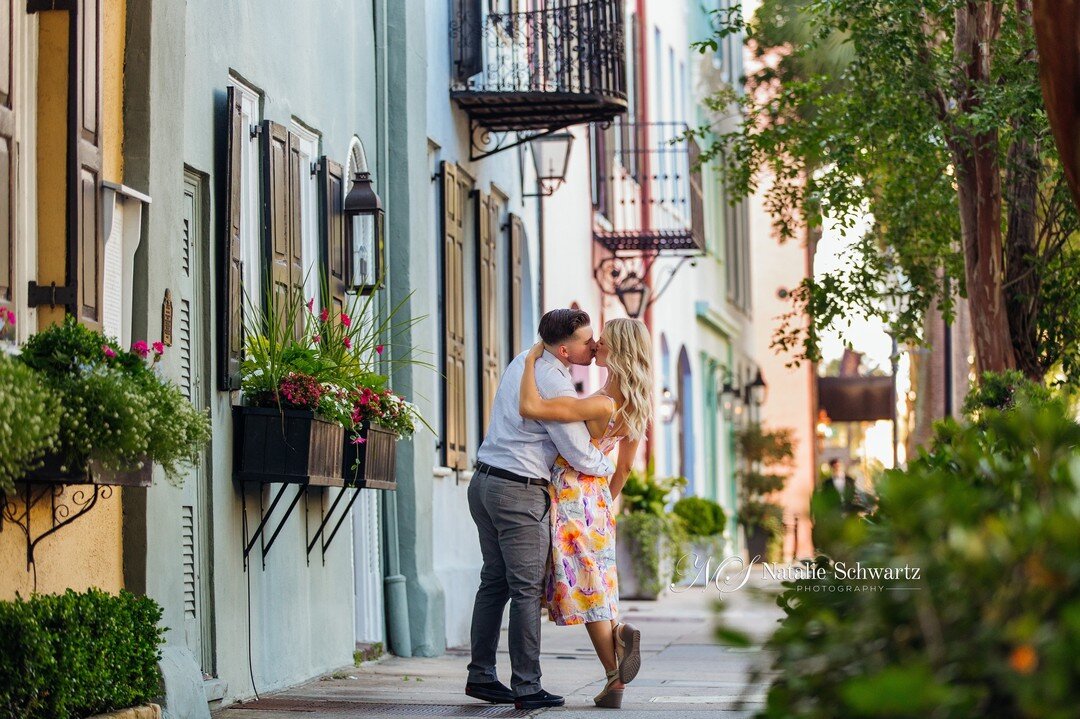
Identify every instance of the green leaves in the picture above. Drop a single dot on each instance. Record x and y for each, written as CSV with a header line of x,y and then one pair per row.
x,y
29,420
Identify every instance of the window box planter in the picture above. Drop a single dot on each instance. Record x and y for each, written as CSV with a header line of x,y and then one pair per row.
x,y
374,460
52,472
290,446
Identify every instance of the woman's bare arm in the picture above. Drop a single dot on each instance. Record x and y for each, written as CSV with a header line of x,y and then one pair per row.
x,y
558,409
627,451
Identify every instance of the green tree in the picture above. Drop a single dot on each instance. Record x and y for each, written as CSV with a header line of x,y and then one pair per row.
x,y
926,116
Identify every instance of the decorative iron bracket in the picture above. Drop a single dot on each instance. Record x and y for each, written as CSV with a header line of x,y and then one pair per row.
x,y
65,508
485,142
265,514
611,272
327,517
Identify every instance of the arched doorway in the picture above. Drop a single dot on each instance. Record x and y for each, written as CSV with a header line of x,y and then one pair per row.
x,y
669,427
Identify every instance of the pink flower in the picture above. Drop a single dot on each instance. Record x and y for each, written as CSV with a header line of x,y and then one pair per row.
x,y
324,315
358,440
311,305
378,349
10,317
317,339
108,351
346,320
348,343
159,348
140,348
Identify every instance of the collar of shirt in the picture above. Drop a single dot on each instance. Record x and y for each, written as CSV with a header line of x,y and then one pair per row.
x,y
558,365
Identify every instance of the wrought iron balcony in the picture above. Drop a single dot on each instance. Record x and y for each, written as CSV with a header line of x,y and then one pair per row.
x,y
537,71
648,189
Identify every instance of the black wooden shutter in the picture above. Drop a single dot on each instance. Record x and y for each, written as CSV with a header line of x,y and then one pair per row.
x,y
487,304
517,281
455,198
276,222
230,278
332,232
7,161
86,244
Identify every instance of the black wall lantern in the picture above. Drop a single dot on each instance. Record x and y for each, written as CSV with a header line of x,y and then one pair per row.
x,y
364,212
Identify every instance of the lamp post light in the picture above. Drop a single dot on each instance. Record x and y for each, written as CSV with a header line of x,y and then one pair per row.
x,y
757,390
551,159
729,394
669,405
633,293
364,247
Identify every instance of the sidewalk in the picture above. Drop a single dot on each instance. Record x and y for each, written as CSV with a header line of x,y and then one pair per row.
x,y
684,673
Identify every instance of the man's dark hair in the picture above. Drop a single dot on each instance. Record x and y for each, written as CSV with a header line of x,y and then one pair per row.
x,y
558,326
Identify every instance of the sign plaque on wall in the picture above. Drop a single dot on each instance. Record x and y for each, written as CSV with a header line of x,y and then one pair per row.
x,y
166,319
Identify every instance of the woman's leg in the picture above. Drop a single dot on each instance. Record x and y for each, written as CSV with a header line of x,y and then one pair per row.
x,y
603,641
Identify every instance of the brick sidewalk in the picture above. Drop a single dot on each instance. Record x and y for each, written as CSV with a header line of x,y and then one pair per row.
x,y
684,674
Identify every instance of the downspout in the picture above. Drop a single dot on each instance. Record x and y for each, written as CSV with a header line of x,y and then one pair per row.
x,y
395,599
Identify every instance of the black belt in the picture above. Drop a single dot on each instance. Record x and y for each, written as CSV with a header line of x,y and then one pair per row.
x,y
503,474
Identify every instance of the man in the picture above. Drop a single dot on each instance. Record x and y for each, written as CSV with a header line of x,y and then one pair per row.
x,y
508,500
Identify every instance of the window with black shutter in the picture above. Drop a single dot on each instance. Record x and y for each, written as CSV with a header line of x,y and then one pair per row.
x,y
456,187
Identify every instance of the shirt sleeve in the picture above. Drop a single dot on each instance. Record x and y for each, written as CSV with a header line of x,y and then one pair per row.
x,y
572,439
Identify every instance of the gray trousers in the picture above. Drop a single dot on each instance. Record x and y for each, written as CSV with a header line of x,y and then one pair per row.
x,y
515,539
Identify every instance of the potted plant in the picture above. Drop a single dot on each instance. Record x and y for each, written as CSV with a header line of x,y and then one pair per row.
x,y
308,378
703,521
117,414
766,454
649,538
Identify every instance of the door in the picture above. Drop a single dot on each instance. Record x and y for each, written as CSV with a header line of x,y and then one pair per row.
x,y
190,346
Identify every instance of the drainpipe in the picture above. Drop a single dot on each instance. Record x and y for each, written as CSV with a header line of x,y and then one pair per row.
x,y
395,599
643,140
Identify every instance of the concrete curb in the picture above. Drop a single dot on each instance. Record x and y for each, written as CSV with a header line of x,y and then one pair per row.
x,y
146,711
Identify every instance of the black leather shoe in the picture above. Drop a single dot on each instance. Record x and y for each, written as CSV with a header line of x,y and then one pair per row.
x,y
539,700
494,692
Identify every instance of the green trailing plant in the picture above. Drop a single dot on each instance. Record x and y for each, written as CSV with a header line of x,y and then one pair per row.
x,y
74,655
29,420
645,492
989,516
117,409
648,528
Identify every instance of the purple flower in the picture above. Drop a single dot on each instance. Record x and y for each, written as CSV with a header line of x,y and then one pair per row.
x,y
571,577
588,513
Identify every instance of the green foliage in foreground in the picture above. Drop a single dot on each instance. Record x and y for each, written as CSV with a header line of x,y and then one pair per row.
x,y
989,517
77,654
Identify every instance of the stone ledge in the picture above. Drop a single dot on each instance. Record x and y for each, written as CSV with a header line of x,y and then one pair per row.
x,y
146,711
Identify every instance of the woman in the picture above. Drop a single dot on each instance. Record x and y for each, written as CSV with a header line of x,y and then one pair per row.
x,y
582,583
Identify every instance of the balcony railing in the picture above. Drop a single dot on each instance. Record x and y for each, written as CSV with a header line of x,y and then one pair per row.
x,y
649,189
540,70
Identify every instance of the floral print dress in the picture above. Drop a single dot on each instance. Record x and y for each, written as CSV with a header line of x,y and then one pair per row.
x,y
582,584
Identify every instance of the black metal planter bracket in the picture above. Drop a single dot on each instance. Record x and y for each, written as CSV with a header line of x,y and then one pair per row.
x,y
264,520
66,507
329,515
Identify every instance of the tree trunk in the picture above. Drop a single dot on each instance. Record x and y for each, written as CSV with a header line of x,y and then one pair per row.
x,y
978,175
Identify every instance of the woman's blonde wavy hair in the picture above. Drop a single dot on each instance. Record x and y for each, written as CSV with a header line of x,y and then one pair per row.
x,y
630,362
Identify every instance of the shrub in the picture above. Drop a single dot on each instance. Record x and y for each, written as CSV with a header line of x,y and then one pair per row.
x,y
77,654
989,516
702,517
29,421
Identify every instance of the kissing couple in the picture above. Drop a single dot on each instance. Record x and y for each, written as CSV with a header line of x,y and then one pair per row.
x,y
542,499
